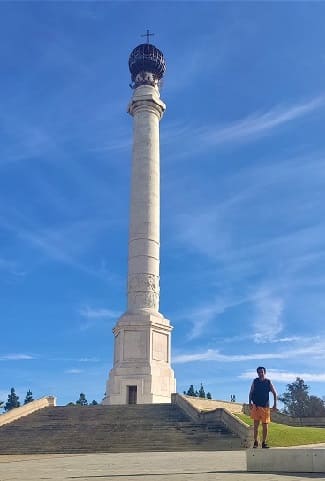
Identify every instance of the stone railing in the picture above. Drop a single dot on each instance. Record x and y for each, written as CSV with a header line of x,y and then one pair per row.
x,y
211,404
280,418
187,407
218,415
29,408
232,423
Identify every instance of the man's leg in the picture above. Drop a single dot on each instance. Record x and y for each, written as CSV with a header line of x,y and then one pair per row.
x,y
265,431
256,424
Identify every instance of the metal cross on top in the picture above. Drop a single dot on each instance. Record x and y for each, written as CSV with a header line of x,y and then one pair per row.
x,y
148,34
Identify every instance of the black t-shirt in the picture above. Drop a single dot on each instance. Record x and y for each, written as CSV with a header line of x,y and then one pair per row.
x,y
260,395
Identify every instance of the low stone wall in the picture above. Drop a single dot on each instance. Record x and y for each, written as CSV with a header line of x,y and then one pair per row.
x,y
217,415
16,413
186,406
286,460
211,404
280,418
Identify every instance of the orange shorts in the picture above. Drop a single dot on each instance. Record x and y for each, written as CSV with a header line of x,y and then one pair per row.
x,y
260,414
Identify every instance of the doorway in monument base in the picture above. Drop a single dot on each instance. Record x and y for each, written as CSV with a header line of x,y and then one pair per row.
x,y
132,394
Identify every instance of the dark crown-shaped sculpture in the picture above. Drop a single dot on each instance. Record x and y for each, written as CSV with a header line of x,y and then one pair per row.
x,y
147,65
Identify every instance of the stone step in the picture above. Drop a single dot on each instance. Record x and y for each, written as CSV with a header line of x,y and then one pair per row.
x,y
133,428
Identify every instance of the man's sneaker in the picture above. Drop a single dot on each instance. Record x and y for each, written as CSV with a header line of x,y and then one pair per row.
x,y
255,445
265,446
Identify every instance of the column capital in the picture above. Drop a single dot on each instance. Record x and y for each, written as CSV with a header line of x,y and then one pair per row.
x,y
146,97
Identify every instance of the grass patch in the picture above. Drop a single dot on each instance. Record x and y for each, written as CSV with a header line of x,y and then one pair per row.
x,y
281,435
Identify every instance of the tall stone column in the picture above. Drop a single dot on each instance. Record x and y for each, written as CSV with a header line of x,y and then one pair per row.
x,y
144,236
142,372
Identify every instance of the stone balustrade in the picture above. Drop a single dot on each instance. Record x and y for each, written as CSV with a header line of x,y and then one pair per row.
x,y
26,409
220,415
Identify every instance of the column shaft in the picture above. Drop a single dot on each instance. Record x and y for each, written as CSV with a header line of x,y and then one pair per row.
x,y
144,234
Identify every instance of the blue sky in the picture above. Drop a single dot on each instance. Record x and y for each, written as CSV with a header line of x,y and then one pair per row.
x,y
243,174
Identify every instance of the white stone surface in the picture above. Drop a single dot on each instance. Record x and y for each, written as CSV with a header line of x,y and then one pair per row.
x,y
142,334
286,460
144,234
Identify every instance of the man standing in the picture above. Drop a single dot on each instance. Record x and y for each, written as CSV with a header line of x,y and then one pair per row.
x,y
259,404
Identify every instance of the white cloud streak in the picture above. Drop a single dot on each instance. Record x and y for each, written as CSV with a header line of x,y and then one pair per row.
x,y
16,357
268,321
314,351
95,316
284,376
266,325
248,129
73,371
98,313
259,124
215,355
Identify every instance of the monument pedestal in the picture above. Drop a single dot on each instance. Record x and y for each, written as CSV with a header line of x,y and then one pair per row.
x,y
141,373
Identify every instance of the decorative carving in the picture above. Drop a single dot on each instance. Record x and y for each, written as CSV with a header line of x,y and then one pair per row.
x,y
143,291
144,282
146,78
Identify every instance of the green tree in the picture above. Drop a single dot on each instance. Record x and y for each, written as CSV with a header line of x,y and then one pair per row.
x,y
298,403
94,402
82,401
12,400
202,392
190,391
29,397
316,406
197,393
71,404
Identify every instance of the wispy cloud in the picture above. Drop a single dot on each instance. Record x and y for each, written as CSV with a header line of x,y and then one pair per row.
x,y
16,357
95,316
65,243
73,371
70,359
284,376
11,267
315,351
88,359
202,315
248,129
258,124
98,313
268,322
215,355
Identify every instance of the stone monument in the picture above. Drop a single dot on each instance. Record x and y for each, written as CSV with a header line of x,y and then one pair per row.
x,y
142,373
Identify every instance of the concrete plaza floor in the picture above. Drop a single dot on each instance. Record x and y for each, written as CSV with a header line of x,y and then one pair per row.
x,y
150,466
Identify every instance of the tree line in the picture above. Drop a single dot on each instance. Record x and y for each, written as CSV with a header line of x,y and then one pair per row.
x,y
197,393
13,400
296,400
82,401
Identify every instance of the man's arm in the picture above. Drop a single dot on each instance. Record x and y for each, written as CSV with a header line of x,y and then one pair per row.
x,y
275,396
250,402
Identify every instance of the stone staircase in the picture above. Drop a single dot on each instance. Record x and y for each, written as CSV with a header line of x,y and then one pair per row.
x,y
103,429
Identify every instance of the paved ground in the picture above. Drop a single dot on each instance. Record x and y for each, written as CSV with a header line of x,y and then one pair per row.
x,y
184,466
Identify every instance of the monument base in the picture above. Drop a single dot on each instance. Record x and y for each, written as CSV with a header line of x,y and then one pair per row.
x,y
141,373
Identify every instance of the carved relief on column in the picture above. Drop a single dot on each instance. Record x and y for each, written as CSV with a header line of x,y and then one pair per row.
x,y
143,291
